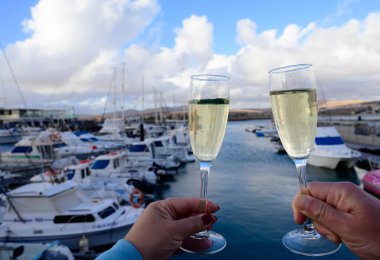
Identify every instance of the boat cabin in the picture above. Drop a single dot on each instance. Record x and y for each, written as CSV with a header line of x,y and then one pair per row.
x,y
88,212
28,149
145,148
111,162
38,199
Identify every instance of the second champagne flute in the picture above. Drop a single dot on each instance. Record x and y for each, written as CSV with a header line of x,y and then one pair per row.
x,y
209,99
294,107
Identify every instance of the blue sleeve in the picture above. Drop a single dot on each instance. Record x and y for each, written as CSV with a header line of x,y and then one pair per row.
x,y
123,249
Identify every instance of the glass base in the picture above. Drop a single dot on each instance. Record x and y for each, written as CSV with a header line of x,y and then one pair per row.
x,y
309,245
205,243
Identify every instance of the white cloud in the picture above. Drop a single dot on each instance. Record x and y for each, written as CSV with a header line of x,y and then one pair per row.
x,y
73,46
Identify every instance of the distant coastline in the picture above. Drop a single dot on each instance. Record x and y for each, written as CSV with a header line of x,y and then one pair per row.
x,y
351,108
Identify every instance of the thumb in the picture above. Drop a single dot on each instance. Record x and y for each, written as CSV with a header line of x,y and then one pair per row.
x,y
320,211
191,225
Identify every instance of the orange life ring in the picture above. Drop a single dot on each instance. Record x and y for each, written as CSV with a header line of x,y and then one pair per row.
x,y
136,193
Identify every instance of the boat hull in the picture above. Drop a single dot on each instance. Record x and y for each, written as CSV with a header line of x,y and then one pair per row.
x,y
96,238
321,161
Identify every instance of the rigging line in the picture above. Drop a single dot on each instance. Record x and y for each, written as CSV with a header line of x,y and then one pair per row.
x,y
2,84
107,97
13,75
2,190
324,101
17,84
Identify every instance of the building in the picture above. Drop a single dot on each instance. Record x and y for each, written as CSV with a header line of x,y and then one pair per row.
x,y
36,117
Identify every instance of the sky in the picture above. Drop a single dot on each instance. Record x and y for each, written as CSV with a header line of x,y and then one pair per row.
x,y
92,56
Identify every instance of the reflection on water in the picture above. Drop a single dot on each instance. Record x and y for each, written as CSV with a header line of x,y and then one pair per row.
x,y
254,187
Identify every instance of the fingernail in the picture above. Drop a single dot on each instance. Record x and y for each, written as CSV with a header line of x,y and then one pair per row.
x,y
217,207
207,219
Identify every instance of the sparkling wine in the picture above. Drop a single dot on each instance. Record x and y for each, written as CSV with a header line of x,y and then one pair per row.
x,y
295,116
207,125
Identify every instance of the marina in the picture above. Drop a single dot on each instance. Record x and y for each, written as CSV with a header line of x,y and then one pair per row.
x,y
252,183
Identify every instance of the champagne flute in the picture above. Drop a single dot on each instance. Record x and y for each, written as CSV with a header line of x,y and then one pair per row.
x,y
208,114
294,107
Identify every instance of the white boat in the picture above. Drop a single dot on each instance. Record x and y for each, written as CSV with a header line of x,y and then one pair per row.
x,y
267,130
30,152
153,131
145,153
68,144
330,150
91,184
167,146
180,134
113,130
93,140
9,136
44,212
13,135
266,133
116,166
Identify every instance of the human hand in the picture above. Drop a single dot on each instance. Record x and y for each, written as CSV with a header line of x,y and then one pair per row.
x,y
342,212
164,224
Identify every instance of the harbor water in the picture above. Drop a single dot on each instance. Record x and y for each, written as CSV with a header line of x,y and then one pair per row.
x,y
254,187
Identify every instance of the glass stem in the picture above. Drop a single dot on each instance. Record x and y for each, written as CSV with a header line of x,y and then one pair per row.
x,y
205,170
308,227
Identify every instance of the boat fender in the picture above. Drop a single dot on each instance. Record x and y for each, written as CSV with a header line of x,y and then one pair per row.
x,y
136,193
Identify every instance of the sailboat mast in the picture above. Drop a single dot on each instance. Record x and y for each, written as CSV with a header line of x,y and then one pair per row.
x,y
155,106
142,101
160,107
123,93
114,93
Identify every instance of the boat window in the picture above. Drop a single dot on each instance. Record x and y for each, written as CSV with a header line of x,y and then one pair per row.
x,y
329,140
85,140
138,148
87,171
106,212
70,174
102,134
158,144
22,149
57,145
116,163
82,173
94,139
63,219
175,139
100,164
115,205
